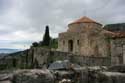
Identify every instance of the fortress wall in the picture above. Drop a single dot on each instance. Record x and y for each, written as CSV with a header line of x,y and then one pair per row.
x,y
38,57
44,56
118,51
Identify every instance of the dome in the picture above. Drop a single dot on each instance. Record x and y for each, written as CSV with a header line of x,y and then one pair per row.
x,y
84,20
82,24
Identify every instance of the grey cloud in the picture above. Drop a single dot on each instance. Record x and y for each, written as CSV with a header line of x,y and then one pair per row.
x,y
32,16
55,13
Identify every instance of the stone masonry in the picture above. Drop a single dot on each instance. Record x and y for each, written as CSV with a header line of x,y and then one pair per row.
x,y
84,37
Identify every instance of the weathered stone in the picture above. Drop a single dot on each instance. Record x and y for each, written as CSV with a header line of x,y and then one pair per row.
x,y
117,68
32,76
118,51
110,77
87,75
84,38
27,76
6,81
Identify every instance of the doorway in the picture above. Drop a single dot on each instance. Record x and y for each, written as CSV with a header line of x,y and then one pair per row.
x,y
70,45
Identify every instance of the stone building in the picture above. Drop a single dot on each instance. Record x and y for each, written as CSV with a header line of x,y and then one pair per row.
x,y
85,37
117,43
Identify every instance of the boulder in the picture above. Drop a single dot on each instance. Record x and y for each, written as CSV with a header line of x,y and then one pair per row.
x,y
6,81
117,68
100,75
27,76
110,77
32,76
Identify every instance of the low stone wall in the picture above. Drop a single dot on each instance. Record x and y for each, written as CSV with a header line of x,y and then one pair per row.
x,y
18,60
43,56
91,61
38,57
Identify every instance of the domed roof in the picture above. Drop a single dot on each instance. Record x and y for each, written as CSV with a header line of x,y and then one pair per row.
x,y
84,19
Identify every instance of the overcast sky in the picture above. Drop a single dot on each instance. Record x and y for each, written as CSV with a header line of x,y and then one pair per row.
x,y
23,21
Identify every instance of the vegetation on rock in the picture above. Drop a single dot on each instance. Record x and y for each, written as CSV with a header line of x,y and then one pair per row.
x,y
35,44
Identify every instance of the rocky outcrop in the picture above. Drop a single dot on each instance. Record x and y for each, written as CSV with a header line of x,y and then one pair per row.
x,y
33,76
82,75
28,76
97,75
110,77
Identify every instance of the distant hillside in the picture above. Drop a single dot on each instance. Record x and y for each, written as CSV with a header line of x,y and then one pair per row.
x,y
115,27
7,50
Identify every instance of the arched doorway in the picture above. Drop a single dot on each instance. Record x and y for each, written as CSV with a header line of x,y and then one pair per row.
x,y
70,45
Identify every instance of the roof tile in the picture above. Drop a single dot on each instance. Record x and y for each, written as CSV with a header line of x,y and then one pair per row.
x,y
84,19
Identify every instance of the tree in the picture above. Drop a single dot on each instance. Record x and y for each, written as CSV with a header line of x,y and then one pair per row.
x,y
46,37
35,44
14,62
54,43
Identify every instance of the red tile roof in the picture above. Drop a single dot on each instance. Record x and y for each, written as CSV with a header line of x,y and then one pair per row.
x,y
114,34
109,33
84,20
119,35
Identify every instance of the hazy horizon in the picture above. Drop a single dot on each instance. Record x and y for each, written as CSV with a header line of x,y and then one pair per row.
x,y
9,50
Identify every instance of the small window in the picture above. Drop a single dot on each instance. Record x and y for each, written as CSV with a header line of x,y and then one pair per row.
x,y
77,42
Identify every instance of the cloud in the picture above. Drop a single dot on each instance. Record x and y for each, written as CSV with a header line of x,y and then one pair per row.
x,y
24,21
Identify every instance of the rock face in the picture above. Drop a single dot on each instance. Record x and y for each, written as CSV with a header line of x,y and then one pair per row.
x,y
28,76
87,75
6,81
32,76
111,77
96,75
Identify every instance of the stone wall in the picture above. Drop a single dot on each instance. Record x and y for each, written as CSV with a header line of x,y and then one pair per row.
x,y
40,57
118,51
44,56
91,61
18,60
